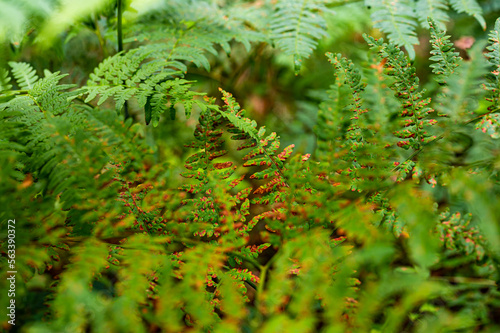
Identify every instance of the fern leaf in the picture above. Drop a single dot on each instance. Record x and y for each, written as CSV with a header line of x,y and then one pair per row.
x,y
296,27
443,53
396,18
347,73
4,80
24,74
203,167
263,153
493,56
125,76
470,7
414,107
435,9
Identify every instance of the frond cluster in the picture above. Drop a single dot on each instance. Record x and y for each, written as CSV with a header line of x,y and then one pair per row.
x,y
205,168
390,225
346,72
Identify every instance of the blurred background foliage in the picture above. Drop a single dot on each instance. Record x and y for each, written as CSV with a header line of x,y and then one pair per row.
x,y
75,36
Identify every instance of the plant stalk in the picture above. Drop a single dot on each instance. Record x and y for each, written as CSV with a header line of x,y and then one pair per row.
x,y
119,31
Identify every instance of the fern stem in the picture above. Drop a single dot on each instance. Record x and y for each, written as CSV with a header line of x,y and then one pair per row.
x,y
480,116
251,284
260,287
280,171
254,262
119,32
262,278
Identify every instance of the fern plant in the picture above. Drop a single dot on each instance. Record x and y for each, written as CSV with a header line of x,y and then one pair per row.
x,y
389,225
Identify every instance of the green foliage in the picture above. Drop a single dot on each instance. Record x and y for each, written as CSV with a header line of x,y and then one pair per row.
x,y
442,53
435,9
470,7
493,86
296,27
414,107
397,20
389,225
127,76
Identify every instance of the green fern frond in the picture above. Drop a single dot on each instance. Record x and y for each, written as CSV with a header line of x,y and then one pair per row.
x,y
470,7
266,147
493,84
397,20
296,27
209,143
154,84
347,73
443,53
180,45
414,109
359,135
435,9
24,74
205,169
136,274
458,234
490,123
264,151
209,174
64,144
354,120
